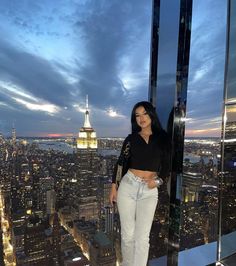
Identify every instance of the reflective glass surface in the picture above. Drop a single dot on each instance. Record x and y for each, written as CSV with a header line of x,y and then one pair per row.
x,y
228,187
227,240
162,95
189,104
231,68
198,193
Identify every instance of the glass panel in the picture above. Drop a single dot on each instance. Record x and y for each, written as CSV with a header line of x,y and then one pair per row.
x,y
227,241
178,114
196,155
228,212
199,180
167,59
231,77
165,92
196,133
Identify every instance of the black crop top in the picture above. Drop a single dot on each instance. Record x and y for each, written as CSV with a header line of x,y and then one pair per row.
x,y
151,156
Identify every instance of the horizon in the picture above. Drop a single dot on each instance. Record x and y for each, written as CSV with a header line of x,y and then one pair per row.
x,y
61,55
102,137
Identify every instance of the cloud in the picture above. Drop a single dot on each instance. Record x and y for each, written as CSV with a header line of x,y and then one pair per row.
x,y
206,69
45,107
110,41
113,113
35,75
51,57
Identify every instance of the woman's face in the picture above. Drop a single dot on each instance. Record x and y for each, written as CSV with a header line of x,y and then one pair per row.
x,y
142,118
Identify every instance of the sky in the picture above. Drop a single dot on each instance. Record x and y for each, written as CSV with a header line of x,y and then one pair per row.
x,y
54,53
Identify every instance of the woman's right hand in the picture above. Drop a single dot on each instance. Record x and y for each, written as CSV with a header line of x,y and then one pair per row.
x,y
113,194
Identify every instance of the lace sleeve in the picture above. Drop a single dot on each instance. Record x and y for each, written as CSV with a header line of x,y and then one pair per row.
x,y
122,164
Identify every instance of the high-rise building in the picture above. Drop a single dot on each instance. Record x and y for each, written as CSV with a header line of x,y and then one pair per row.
x,y
2,147
86,203
104,186
46,194
87,136
37,246
192,183
13,135
109,216
17,238
102,252
51,201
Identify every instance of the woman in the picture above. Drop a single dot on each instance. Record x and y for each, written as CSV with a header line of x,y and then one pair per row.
x,y
137,195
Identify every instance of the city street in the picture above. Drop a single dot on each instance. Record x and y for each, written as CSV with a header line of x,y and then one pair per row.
x,y
8,250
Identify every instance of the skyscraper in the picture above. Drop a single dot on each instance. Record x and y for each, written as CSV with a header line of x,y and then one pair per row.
x,y
86,203
87,138
101,251
47,195
36,248
13,135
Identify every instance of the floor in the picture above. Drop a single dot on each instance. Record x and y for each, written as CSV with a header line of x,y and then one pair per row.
x,y
230,261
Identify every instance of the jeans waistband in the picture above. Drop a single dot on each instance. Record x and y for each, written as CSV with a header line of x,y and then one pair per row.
x,y
136,178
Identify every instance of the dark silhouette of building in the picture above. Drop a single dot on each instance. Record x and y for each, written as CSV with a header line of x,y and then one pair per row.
x,y
37,250
102,252
56,241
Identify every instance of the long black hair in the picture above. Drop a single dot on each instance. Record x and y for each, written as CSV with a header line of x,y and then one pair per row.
x,y
155,125
163,139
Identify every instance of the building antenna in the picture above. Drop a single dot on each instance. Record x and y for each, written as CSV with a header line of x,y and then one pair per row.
x,y
87,102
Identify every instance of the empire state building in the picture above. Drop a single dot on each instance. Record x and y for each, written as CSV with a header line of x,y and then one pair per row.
x,y
86,202
87,138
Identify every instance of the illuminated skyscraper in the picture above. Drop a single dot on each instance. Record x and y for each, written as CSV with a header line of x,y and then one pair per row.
x,y
86,203
13,135
109,223
87,136
51,201
47,195
192,183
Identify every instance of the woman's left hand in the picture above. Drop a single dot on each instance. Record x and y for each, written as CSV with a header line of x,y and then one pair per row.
x,y
151,183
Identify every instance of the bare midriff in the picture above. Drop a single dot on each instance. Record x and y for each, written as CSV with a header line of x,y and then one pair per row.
x,y
145,175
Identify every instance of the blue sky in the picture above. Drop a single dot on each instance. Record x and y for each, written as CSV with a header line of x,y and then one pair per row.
x,y
53,53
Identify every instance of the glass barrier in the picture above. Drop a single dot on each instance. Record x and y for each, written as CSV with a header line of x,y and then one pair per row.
x,y
227,218
189,103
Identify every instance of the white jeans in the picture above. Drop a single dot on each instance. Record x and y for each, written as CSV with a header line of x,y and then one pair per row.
x,y
136,204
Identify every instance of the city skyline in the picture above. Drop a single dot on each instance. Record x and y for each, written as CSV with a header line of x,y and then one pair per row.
x,y
39,173
52,57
